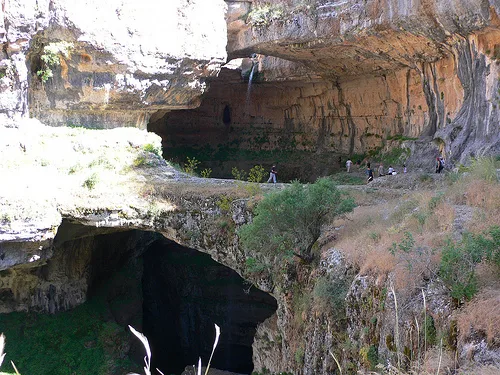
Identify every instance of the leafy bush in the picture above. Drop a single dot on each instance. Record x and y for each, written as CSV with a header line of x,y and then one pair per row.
x,y
253,265
485,168
252,189
400,137
299,355
459,259
139,161
149,147
79,341
206,173
191,165
91,182
288,222
238,174
435,201
50,58
256,174
406,244
224,203
265,14
330,295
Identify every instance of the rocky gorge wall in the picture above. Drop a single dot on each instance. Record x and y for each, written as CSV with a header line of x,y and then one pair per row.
x,y
344,78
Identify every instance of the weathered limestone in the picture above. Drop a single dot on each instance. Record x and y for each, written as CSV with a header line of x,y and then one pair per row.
x,y
126,60
419,69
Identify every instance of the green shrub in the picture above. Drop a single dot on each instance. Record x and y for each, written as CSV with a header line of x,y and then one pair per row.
x,y
238,174
149,147
299,355
206,173
139,161
256,174
224,203
344,178
50,58
485,168
191,165
253,189
329,295
459,259
369,356
254,265
406,244
435,201
430,333
288,222
78,341
91,182
264,15
400,137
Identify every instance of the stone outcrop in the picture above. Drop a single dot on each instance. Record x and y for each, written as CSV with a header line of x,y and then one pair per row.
x,y
124,60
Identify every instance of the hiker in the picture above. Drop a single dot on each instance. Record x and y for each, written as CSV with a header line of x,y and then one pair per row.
x,y
348,164
369,172
390,170
272,175
439,165
404,168
381,170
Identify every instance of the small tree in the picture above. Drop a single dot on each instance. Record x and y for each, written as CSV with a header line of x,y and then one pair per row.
x,y
256,174
288,222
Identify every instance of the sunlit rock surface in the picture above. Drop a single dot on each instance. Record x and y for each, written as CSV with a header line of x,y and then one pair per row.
x,y
127,59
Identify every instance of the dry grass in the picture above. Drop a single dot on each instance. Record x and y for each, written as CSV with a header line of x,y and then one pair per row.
x,y
437,359
371,230
481,315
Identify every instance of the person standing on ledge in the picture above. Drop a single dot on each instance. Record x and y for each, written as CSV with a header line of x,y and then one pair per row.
x,y
381,170
272,175
439,165
348,164
369,172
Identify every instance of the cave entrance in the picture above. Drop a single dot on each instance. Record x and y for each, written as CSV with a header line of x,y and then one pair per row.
x,y
100,280
185,292
277,126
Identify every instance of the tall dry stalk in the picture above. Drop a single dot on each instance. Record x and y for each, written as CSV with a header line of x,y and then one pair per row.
x,y
2,346
396,328
147,358
336,361
440,356
425,324
418,345
217,334
14,367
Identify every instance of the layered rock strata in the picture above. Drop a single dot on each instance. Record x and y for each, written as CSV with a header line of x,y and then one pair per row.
x,y
362,73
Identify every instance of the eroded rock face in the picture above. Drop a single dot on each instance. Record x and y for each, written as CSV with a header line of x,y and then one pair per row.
x,y
419,69
125,61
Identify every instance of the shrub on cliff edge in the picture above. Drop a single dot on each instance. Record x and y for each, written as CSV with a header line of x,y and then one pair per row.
x,y
288,222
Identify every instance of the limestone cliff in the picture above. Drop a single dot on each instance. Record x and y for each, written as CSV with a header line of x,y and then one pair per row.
x,y
123,61
345,77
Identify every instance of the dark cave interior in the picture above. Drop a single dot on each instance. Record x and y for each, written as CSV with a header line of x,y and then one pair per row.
x,y
185,292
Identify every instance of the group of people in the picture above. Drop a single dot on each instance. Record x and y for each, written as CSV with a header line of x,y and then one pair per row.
x,y
369,171
380,170
390,171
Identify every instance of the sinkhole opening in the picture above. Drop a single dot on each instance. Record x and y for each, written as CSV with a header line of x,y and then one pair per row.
x,y
78,304
184,293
